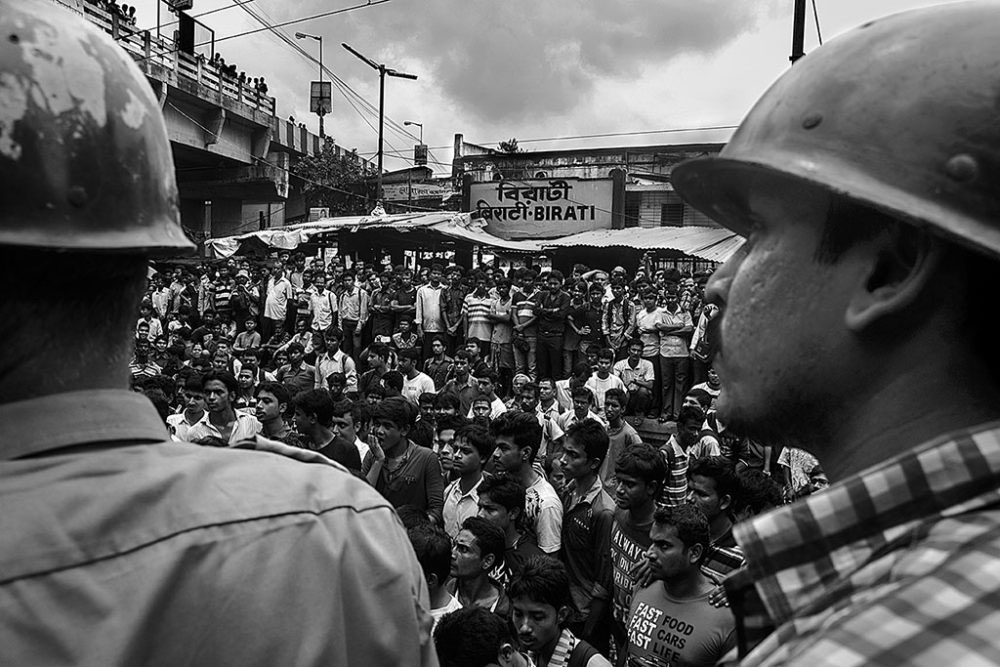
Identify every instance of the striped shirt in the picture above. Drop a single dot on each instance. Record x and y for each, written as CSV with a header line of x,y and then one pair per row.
x,y
897,565
477,313
675,484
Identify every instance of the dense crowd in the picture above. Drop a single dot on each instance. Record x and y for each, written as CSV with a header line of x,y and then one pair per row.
x,y
500,413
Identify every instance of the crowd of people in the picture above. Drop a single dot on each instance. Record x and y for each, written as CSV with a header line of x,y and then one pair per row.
x,y
497,412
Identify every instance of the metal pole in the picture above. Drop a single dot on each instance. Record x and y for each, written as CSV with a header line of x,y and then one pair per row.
x,y
158,23
322,134
798,30
381,118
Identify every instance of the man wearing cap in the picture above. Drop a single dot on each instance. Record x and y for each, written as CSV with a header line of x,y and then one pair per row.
x,y
118,546
855,324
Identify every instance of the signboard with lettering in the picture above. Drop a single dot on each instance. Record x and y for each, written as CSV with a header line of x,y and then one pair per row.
x,y
409,191
542,208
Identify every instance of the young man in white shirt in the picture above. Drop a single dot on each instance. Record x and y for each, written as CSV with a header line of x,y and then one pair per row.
x,y
415,382
335,360
473,447
518,435
603,379
638,375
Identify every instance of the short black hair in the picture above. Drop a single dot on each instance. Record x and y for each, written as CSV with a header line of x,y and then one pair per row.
x,y
691,524
316,402
721,470
505,490
522,428
470,637
592,436
480,438
433,548
542,579
489,538
450,422
690,414
394,380
642,460
397,410
276,389
225,377
758,491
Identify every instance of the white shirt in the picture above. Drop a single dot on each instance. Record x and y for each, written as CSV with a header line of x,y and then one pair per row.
x,y
323,306
180,425
459,506
421,384
497,408
598,387
278,293
246,426
544,510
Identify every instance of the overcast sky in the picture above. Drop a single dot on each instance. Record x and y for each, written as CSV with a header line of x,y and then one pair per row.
x,y
530,69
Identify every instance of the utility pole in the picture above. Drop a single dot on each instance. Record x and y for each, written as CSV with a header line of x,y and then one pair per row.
x,y
798,30
382,71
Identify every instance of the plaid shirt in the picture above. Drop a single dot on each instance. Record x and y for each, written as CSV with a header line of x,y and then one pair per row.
x,y
898,565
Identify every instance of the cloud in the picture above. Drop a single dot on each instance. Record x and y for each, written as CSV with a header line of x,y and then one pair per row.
x,y
505,63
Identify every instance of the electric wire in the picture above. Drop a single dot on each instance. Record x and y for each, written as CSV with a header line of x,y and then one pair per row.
x,y
819,34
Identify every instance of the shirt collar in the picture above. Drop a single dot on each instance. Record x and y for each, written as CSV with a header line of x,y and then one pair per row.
x,y
75,418
803,552
588,497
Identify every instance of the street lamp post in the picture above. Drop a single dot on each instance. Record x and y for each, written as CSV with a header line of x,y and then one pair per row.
x,y
420,125
382,71
318,38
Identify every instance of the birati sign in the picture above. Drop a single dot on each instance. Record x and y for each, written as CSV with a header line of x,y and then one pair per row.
x,y
542,208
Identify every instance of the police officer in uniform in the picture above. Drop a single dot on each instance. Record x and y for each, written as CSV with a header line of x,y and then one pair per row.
x,y
117,546
857,323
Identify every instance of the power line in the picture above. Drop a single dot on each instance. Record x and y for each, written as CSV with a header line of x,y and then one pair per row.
x,y
349,94
196,16
816,16
370,3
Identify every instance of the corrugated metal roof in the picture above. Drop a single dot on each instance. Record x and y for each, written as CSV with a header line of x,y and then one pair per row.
x,y
709,243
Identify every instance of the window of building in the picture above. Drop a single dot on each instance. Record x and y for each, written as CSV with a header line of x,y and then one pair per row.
x,y
672,211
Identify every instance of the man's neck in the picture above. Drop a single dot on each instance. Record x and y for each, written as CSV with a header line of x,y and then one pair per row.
x,y
642,514
474,588
275,427
615,423
193,415
320,436
546,404
584,484
719,526
689,585
527,474
222,417
546,651
412,373
511,536
604,375
469,480
439,597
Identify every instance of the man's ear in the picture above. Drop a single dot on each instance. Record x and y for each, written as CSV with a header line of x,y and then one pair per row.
x,y
901,267
562,615
725,502
505,656
695,553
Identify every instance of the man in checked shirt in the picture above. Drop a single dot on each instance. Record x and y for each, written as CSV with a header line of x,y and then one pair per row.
x,y
855,324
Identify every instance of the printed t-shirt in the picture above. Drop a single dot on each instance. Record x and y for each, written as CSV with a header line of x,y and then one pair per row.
x,y
680,633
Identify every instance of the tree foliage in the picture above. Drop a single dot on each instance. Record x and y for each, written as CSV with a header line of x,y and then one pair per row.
x,y
335,181
510,146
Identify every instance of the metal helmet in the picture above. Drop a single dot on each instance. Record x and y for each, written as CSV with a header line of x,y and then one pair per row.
x,y
901,114
85,162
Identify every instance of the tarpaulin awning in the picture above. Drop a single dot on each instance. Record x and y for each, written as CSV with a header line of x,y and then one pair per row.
x,y
709,243
459,226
